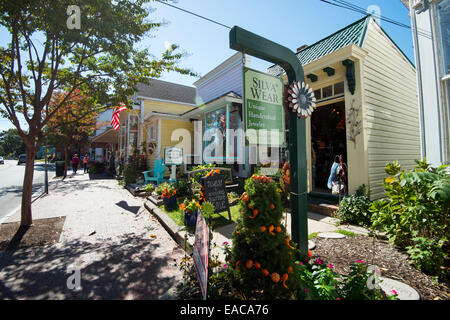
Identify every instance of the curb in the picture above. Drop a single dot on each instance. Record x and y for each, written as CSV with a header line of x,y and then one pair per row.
x,y
175,231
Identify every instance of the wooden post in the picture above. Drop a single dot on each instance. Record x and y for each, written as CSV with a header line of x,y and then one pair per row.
x,y
252,44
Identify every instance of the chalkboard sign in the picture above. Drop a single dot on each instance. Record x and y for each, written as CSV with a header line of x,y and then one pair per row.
x,y
215,192
173,156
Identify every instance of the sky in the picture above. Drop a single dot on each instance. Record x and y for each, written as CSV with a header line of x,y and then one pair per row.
x,y
290,23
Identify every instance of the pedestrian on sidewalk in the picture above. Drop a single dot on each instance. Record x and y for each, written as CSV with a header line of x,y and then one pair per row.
x,y
85,162
75,161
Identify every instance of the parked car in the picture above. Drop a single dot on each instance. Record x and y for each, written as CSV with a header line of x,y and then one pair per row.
x,y
22,159
2,161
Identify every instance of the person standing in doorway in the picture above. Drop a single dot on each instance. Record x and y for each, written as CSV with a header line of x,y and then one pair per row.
x,y
337,175
85,162
75,161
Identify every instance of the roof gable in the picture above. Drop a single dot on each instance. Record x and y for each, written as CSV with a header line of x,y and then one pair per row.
x,y
163,90
351,34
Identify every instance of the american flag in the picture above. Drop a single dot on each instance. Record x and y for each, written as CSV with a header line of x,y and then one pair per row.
x,y
115,120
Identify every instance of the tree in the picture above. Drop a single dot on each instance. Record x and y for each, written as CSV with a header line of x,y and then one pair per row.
x,y
96,55
11,143
73,122
263,256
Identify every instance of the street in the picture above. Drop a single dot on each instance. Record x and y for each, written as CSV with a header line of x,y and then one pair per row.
x,y
11,181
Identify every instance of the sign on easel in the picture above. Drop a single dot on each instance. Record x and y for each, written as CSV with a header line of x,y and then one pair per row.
x,y
215,192
201,252
173,156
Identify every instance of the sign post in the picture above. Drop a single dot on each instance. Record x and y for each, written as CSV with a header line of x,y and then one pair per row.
x,y
201,252
257,46
173,156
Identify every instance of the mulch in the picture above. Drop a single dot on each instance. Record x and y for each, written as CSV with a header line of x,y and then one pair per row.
x,y
42,232
392,262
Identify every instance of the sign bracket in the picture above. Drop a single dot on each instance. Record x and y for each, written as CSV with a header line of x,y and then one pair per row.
x,y
257,46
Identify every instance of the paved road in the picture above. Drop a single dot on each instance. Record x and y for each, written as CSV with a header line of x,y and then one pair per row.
x,y
11,181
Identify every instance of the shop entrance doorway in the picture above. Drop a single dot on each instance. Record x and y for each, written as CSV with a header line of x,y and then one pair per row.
x,y
328,139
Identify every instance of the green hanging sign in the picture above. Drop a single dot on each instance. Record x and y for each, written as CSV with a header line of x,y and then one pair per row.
x,y
263,105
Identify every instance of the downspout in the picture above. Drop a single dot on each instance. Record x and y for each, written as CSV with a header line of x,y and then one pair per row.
x,y
419,83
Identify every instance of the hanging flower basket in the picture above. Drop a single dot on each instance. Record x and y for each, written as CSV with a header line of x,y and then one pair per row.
x,y
301,99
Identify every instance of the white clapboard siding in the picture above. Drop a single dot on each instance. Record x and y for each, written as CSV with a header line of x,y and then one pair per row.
x,y
227,77
391,111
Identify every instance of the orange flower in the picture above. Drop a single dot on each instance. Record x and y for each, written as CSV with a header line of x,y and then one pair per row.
x,y
262,228
278,229
290,269
271,227
265,272
275,277
287,243
271,206
255,213
285,277
182,206
309,254
217,171
257,265
249,264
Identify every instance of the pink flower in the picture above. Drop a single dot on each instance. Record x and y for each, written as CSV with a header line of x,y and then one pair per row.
x,y
319,261
225,243
338,299
306,290
394,292
224,266
330,266
359,261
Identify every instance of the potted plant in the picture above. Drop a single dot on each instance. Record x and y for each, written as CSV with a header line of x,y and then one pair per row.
x,y
190,208
169,197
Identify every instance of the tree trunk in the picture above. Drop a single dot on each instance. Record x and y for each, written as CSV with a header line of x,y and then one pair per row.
x,y
27,189
66,160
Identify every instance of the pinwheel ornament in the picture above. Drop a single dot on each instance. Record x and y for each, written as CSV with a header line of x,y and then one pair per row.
x,y
301,99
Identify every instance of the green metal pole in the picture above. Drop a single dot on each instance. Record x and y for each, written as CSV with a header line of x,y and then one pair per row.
x,y
252,44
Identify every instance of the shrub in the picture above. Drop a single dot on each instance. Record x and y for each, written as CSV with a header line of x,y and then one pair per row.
x,y
130,175
415,214
182,186
354,209
149,187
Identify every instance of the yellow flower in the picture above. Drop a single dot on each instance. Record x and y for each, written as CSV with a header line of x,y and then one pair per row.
x,y
390,179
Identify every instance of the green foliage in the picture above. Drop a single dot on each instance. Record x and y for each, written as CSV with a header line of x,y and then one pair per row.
x,y
207,210
427,254
354,209
182,186
10,143
149,187
415,213
130,174
320,282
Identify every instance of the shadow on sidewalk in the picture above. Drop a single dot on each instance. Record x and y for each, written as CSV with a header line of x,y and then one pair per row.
x,y
125,269
124,205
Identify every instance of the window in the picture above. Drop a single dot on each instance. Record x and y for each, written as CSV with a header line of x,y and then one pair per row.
x,y
443,17
220,122
339,88
151,133
133,122
327,91
318,94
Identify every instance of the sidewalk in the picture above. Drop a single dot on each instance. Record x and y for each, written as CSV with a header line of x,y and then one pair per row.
x,y
120,250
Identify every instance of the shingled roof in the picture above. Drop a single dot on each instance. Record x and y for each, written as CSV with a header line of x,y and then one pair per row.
x,y
163,90
353,33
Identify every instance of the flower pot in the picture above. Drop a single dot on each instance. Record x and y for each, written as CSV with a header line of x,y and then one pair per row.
x,y
170,203
190,218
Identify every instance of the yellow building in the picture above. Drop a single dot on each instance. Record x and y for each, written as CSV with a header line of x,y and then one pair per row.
x,y
367,107
154,122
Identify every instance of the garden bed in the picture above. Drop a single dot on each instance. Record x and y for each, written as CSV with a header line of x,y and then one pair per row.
x,y
218,219
393,263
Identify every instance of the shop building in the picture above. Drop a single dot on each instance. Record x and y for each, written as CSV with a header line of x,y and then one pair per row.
x,y
367,106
